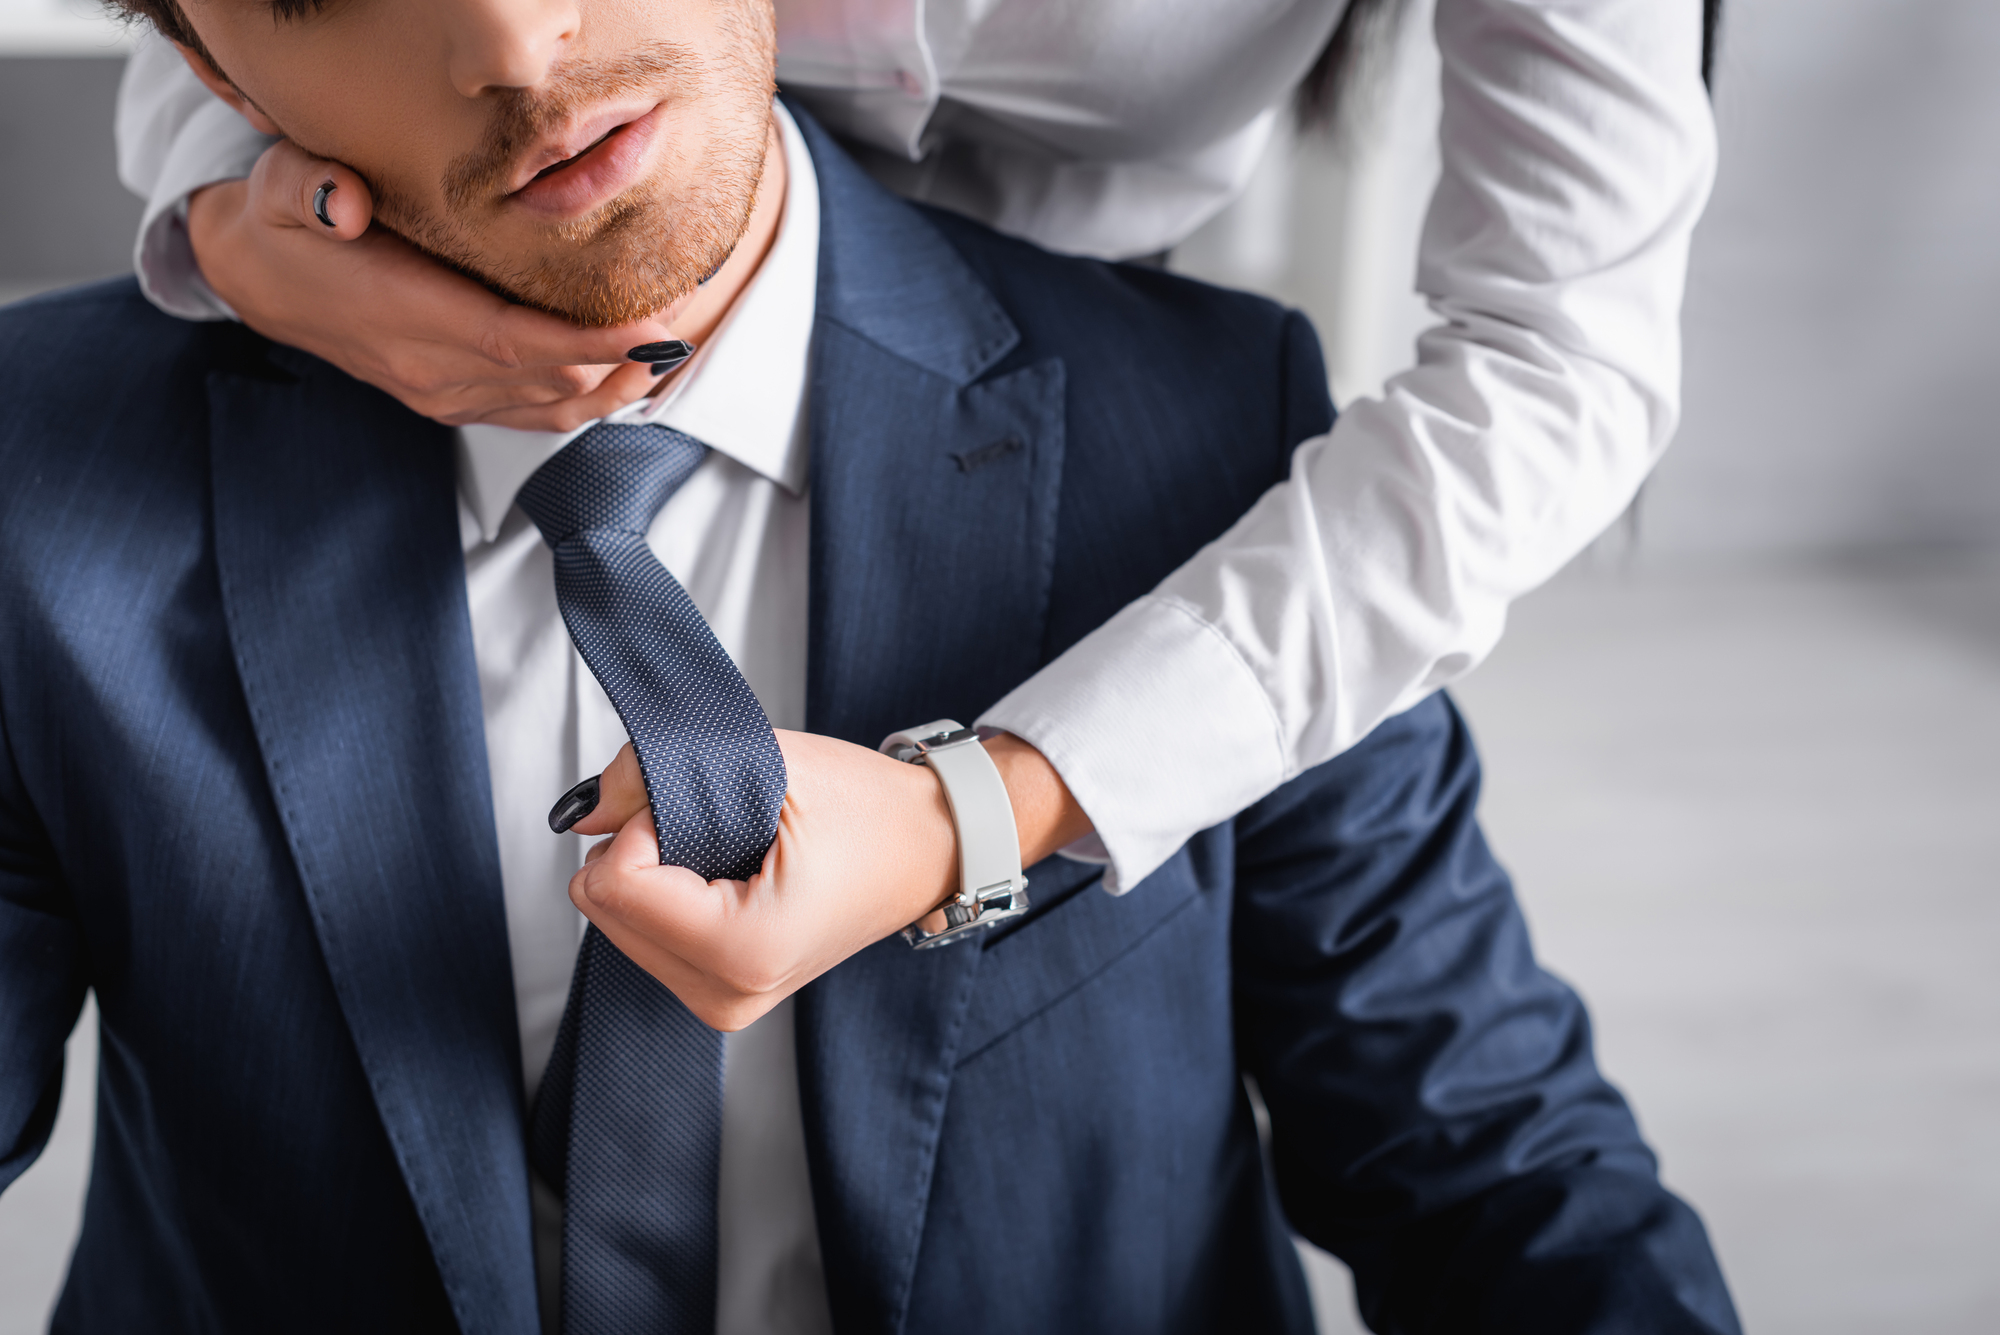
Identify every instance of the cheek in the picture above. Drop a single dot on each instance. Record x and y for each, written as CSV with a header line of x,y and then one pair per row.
x,y
372,101
393,142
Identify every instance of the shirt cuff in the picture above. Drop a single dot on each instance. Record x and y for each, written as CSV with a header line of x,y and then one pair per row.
x,y
168,274
215,145
1159,728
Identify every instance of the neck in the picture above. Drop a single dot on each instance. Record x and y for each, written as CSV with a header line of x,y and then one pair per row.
x,y
701,313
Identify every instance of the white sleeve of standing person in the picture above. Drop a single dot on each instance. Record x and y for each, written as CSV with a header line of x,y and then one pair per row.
x,y
174,137
1578,150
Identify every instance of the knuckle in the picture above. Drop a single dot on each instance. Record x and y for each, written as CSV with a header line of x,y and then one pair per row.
x,y
728,1016
530,396
568,417
588,889
423,381
572,380
750,979
496,347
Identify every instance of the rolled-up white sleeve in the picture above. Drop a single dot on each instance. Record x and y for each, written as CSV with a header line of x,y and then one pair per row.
x,y
1578,151
175,137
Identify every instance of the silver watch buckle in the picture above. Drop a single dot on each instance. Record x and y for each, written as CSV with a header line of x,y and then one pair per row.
x,y
913,753
967,912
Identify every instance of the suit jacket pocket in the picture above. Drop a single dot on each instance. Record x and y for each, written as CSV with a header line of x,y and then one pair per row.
x,y
1074,933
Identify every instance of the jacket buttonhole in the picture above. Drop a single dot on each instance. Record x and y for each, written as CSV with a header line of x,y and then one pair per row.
x,y
986,454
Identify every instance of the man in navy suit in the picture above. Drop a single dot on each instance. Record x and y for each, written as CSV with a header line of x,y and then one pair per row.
x,y
255,787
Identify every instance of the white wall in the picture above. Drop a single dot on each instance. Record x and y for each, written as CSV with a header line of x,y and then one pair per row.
x,y
60,28
63,216
1843,346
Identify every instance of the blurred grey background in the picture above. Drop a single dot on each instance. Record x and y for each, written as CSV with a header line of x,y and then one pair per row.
x,y
1741,755
63,216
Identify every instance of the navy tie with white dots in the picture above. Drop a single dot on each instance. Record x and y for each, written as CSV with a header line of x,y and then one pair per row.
x,y
627,1125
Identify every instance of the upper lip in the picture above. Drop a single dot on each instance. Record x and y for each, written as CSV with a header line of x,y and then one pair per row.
x,y
573,139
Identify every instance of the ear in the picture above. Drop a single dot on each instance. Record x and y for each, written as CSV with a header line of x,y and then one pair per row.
x,y
219,85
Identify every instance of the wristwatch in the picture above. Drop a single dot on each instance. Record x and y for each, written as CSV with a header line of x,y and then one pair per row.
x,y
991,888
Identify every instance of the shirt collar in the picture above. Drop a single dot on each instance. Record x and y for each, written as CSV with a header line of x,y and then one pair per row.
x,y
742,395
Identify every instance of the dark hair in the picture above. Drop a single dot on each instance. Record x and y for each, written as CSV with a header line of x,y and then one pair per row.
x,y
1348,60
163,14
1711,21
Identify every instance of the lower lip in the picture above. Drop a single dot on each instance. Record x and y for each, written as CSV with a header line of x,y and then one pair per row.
x,y
602,174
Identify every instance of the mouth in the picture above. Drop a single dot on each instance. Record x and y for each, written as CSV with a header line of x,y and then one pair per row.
x,y
555,167
594,162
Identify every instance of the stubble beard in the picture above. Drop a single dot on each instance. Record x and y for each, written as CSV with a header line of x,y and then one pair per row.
x,y
636,254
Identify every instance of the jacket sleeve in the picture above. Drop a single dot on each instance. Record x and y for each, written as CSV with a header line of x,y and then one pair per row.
x,y
1437,1116
41,976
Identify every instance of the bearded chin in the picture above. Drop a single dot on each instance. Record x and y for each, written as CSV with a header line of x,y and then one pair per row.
x,y
639,258
634,257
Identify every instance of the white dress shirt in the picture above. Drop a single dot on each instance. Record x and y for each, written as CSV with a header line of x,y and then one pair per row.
x,y
1577,151
735,537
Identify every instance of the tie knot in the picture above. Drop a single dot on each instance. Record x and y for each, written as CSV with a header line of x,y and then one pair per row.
x,y
614,477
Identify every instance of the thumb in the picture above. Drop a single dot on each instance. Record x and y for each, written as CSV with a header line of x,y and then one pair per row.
x,y
289,187
621,795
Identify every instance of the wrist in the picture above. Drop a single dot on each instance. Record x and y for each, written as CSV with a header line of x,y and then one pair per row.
x,y
991,887
1046,815
210,210
934,838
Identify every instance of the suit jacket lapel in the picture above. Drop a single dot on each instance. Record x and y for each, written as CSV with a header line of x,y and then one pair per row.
x,y
344,592
935,472
934,485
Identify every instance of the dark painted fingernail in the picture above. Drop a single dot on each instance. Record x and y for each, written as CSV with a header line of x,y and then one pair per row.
x,y
574,805
319,201
674,350
661,368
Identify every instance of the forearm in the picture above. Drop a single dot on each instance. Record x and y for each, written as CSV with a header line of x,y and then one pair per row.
x,y
1555,254
1046,814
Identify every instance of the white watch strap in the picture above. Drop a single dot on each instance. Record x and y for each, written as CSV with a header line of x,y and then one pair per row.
x,y
991,885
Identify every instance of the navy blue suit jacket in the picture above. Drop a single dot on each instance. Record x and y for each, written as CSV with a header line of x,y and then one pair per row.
x,y
243,797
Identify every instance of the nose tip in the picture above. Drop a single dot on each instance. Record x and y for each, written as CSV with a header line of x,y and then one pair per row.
x,y
508,43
